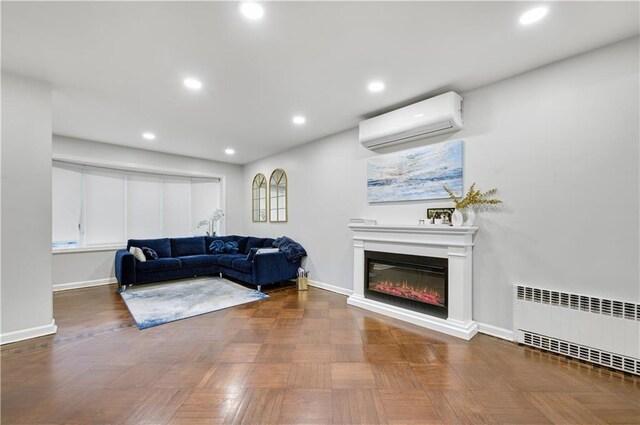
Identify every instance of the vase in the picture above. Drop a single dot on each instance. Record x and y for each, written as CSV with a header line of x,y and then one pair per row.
x,y
471,217
456,218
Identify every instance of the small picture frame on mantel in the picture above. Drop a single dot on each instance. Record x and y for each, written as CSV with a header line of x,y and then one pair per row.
x,y
439,212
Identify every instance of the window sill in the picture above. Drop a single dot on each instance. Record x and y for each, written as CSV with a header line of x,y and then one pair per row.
x,y
79,249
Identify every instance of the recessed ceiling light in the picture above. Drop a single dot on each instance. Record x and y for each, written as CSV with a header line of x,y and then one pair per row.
x,y
192,83
376,86
149,136
252,11
533,15
299,120
229,151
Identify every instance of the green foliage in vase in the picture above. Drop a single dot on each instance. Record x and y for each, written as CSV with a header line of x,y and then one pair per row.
x,y
473,198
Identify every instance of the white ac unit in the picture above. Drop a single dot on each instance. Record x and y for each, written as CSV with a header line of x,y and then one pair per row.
x,y
438,115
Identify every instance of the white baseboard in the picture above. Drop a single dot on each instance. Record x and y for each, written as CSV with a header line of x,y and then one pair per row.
x,y
29,333
501,333
484,328
332,288
84,284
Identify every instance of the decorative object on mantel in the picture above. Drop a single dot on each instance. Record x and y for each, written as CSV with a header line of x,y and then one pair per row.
x,y
444,213
362,221
416,174
212,222
474,198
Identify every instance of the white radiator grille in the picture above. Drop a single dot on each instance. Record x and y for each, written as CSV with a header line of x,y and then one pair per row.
x,y
615,361
598,330
595,305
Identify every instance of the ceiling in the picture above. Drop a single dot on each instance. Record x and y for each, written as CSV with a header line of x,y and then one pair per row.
x,y
116,68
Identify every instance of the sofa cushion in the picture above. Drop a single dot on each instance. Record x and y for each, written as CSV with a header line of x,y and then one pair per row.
x,y
198,260
216,247
226,260
224,239
160,264
242,265
149,253
161,246
231,247
242,244
181,247
268,243
252,243
138,253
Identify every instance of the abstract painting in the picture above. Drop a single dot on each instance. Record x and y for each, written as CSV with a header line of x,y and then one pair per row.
x,y
416,174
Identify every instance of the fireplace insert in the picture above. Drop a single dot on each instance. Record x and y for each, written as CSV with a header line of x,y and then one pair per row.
x,y
407,281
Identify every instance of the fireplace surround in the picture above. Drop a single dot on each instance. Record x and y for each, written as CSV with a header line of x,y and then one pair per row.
x,y
445,244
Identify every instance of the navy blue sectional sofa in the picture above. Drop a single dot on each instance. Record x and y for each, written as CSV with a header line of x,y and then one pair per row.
x,y
188,257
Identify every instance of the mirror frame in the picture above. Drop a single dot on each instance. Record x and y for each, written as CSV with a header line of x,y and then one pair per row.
x,y
256,185
286,195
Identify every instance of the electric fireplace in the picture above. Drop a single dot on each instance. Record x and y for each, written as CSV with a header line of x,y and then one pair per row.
x,y
408,281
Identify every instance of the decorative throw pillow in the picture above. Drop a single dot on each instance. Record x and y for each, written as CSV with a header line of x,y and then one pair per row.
x,y
149,253
137,252
231,247
267,251
216,247
252,253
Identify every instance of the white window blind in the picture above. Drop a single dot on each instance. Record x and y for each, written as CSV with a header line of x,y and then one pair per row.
x,y
97,206
176,207
104,207
67,206
205,199
144,206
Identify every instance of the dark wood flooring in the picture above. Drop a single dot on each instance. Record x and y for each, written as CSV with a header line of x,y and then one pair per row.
x,y
295,358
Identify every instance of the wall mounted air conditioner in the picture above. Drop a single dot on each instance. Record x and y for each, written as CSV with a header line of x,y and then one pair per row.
x,y
438,115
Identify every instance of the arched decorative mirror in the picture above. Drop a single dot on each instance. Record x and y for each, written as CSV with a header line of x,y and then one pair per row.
x,y
259,198
278,196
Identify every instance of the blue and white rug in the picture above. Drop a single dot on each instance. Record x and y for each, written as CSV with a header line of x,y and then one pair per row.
x,y
157,304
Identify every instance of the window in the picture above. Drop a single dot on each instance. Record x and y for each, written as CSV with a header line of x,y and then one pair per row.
x,y
144,196
97,206
67,205
104,207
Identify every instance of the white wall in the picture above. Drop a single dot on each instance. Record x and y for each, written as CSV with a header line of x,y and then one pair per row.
x,y
561,143
27,303
97,267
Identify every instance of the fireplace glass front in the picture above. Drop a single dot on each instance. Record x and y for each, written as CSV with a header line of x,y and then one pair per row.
x,y
408,281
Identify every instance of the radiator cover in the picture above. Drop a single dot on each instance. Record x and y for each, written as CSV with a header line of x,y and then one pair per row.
x,y
598,330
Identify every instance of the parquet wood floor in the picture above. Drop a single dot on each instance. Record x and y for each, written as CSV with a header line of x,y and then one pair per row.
x,y
295,358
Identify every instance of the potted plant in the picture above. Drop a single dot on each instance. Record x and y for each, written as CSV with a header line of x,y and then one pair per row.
x,y
212,222
467,204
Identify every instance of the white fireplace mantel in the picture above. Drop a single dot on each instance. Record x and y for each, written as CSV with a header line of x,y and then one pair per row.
x,y
453,243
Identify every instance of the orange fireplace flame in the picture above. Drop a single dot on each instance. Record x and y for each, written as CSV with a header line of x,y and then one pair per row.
x,y
405,290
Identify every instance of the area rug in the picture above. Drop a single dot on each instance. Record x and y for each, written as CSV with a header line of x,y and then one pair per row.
x,y
157,304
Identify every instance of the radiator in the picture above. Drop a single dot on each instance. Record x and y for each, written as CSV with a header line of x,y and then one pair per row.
x,y
597,330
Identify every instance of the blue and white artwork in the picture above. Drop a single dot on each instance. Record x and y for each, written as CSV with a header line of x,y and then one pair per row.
x,y
416,174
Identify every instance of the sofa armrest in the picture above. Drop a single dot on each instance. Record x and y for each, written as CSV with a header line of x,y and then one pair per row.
x,y
125,267
273,267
